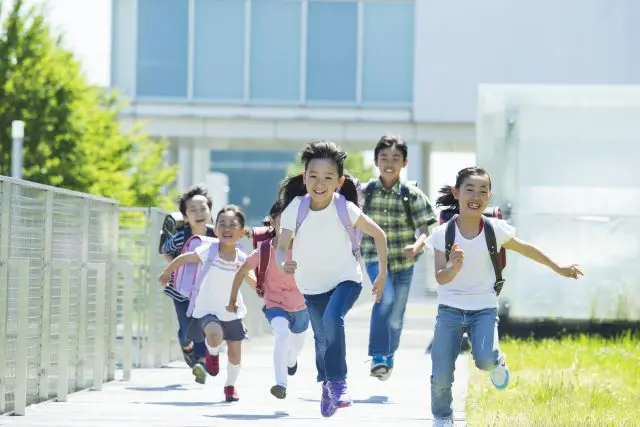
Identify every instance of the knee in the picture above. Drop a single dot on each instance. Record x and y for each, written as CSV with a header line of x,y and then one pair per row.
x,y
486,361
331,321
441,382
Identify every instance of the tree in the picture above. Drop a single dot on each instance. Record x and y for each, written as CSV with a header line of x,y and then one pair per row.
x,y
354,165
72,138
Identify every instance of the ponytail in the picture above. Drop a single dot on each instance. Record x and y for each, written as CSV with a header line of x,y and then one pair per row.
x,y
447,200
350,190
291,188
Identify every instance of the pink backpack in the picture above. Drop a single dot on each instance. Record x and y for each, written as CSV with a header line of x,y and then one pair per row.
x,y
184,279
355,234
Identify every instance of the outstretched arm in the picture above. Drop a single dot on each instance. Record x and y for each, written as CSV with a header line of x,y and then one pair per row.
x,y
535,254
284,242
380,240
241,274
186,258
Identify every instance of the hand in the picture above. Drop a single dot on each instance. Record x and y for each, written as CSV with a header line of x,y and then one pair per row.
x,y
410,251
232,307
456,257
164,278
572,271
378,286
289,267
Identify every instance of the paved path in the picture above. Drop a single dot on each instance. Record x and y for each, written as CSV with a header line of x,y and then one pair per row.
x,y
169,397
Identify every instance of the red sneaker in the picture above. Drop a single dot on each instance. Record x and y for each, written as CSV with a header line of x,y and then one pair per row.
x,y
230,394
212,363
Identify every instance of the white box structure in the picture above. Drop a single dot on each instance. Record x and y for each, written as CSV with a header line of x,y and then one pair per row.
x,y
564,166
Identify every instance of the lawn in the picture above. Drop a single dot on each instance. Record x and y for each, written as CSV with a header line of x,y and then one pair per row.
x,y
580,381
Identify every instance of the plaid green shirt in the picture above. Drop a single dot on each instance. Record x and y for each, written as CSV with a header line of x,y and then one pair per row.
x,y
387,210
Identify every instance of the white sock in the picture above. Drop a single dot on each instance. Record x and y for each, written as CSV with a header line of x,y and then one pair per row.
x,y
297,343
214,351
281,348
232,374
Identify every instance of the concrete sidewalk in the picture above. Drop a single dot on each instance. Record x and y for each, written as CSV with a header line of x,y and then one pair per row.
x,y
169,397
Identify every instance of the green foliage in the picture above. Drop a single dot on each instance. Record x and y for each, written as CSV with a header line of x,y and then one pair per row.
x,y
72,134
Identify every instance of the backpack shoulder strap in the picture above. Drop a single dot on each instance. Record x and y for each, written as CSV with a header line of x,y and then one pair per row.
x,y
450,235
369,189
492,246
264,256
343,214
405,195
211,255
303,211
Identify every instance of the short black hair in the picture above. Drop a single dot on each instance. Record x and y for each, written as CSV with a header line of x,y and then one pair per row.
x,y
190,194
389,140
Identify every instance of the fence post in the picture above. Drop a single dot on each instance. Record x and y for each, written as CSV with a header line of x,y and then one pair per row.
x,y
113,315
63,333
126,269
45,356
83,300
5,231
98,357
20,392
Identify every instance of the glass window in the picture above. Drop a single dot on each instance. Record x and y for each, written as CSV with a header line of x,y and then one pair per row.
x,y
219,49
162,48
387,72
275,50
332,51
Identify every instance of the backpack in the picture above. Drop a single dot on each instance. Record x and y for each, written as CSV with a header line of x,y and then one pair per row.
x,y
498,259
203,269
173,223
404,193
262,237
184,279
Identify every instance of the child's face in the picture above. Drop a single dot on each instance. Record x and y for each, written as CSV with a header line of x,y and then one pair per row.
x,y
228,228
198,212
390,162
321,179
473,195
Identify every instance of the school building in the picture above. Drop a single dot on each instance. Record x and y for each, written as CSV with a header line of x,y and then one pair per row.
x,y
238,86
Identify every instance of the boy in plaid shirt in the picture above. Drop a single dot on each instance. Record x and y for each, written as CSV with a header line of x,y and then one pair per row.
x,y
400,209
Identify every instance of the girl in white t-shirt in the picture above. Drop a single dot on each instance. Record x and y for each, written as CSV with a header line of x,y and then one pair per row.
x,y
220,261
327,271
467,300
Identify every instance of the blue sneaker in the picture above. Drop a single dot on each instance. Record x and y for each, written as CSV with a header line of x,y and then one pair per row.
x,y
327,408
500,375
389,364
379,366
339,395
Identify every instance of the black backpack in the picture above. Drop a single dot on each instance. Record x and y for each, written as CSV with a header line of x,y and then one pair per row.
x,y
173,223
498,258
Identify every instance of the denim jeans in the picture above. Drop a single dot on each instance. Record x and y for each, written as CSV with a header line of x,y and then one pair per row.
x,y
451,323
199,348
327,312
387,316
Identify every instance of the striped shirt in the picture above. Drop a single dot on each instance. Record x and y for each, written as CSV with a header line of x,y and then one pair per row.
x,y
387,210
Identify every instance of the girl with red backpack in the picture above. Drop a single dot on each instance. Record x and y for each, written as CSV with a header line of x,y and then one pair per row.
x,y
322,212
468,270
284,305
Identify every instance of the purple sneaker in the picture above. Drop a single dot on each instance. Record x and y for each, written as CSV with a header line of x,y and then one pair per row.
x,y
339,395
327,408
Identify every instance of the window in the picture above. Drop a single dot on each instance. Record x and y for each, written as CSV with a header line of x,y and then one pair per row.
x,y
275,50
332,51
388,52
162,58
219,49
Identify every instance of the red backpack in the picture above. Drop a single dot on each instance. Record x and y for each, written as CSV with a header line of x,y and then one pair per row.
x,y
262,237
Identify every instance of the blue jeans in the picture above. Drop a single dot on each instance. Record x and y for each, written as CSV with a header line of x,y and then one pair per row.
x,y
326,312
199,348
451,323
387,316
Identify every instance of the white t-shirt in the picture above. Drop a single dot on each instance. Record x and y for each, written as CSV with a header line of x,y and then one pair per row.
x,y
472,288
322,248
215,290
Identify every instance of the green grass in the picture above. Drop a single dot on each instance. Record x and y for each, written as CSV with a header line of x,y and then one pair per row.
x,y
581,381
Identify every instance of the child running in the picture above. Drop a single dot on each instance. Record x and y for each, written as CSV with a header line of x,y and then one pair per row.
x,y
326,258
284,306
467,295
220,261
195,207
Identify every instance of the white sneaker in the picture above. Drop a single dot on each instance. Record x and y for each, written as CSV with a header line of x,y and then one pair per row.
x,y
500,375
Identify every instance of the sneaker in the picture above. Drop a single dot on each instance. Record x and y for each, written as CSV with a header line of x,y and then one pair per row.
x,y
327,408
189,357
442,423
200,372
292,369
339,395
500,375
279,391
212,364
230,394
378,366
389,364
